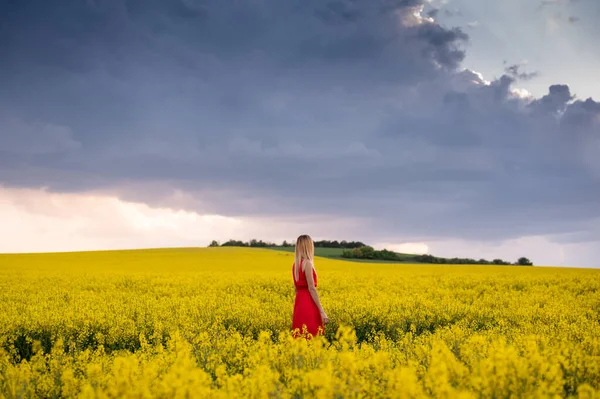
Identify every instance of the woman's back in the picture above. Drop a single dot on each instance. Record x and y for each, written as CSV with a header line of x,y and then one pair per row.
x,y
301,282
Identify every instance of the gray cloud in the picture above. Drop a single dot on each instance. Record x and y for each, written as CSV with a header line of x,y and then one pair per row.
x,y
27,139
433,12
349,108
555,101
515,72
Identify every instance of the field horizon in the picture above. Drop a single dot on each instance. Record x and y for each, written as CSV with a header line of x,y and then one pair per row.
x,y
216,322
319,253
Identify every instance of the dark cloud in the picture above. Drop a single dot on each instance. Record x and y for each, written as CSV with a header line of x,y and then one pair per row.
x,y
553,102
441,44
79,36
349,108
515,72
582,116
433,13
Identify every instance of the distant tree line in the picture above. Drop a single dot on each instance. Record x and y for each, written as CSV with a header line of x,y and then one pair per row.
x,y
468,261
236,243
262,244
358,250
367,252
339,244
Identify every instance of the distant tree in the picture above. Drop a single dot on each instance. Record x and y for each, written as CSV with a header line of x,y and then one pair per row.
x,y
234,243
356,244
384,254
347,253
524,262
260,244
286,244
367,252
213,243
341,244
425,258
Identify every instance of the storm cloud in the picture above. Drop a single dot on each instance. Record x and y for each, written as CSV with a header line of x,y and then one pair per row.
x,y
359,109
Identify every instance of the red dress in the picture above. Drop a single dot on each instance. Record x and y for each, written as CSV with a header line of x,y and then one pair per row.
x,y
306,312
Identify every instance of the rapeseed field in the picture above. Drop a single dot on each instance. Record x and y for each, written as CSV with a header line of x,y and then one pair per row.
x,y
214,323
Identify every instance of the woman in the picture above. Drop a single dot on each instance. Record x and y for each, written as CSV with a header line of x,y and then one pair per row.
x,y
309,316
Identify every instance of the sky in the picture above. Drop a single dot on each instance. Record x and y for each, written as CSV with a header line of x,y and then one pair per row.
x,y
456,128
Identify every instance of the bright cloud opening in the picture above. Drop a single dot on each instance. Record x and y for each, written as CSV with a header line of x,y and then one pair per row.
x,y
40,221
417,248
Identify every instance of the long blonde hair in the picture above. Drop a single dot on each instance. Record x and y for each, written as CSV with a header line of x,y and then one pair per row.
x,y
305,249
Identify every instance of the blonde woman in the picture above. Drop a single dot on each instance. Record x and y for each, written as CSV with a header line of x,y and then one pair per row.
x,y
308,312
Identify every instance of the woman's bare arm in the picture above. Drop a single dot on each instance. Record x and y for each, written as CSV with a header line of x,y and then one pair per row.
x,y
312,289
294,277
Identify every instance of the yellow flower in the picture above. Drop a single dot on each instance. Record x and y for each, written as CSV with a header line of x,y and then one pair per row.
x,y
215,323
